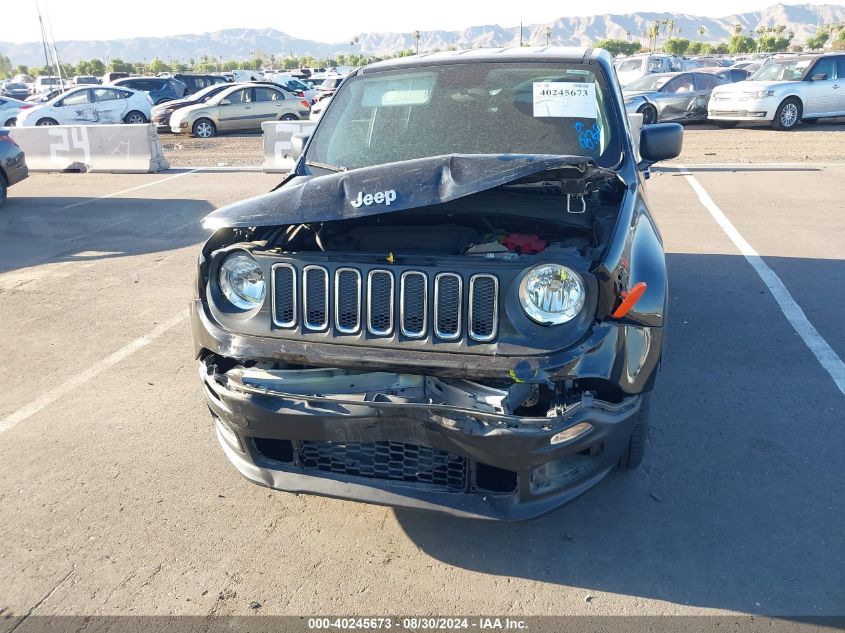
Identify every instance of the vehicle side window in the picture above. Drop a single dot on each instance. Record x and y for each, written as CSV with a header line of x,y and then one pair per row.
x,y
840,67
738,75
107,94
130,84
826,66
655,65
268,94
714,80
681,83
241,96
77,98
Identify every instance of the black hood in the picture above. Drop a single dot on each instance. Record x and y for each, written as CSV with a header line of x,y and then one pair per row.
x,y
392,187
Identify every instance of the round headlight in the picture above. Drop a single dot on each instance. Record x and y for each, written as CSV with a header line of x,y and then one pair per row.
x,y
241,281
551,294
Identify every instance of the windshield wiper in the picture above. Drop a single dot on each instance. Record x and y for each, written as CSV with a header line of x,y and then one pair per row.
x,y
314,163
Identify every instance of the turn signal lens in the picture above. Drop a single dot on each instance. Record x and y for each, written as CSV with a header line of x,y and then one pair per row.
x,y
572,433
629,299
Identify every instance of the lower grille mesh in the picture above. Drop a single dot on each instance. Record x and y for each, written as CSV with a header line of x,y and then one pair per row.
x,y
392,461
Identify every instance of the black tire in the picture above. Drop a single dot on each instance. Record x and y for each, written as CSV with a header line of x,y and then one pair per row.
x,y
204,128
11,122
649,113
135,118
788,114
3,189
289,117
635,449
42,122
725,124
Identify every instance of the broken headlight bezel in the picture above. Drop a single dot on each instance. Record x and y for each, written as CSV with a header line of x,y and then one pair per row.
x,y
552,294
241,281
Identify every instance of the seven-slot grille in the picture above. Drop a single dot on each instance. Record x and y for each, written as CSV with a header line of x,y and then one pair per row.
x,y
385,301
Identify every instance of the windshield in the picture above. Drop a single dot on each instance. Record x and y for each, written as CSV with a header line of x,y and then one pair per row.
x,y
785,70
15,87
628,65
48,81
483,108
649,82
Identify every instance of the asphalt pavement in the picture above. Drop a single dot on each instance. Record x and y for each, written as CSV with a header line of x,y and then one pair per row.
x,y
116,499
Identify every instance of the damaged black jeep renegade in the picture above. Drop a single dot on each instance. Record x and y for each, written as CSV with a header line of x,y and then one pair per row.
x,y
456,299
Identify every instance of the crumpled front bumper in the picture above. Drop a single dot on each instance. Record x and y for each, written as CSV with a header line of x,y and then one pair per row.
x,y
544,475
513,471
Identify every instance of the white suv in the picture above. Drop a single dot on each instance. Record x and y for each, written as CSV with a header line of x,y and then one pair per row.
x,y
784,92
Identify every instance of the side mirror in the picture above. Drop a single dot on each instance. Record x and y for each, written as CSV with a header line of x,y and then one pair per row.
x,y
225,102
297,144
820,77
660,141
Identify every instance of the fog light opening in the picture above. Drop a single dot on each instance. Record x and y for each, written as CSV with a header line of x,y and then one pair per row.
x,y
228,435
572,433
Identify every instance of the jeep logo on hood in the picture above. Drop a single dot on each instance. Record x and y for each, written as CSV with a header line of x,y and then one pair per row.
x,y
380,197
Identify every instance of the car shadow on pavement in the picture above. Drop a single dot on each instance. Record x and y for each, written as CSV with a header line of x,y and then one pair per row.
x,y
86,229
739,504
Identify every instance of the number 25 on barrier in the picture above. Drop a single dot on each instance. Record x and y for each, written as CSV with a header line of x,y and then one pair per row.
x,y
77,140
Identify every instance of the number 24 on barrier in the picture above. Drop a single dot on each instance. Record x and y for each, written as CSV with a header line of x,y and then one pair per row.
x,y
77,140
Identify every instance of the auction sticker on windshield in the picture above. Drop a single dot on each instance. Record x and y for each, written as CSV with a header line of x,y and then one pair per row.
x,y
564,99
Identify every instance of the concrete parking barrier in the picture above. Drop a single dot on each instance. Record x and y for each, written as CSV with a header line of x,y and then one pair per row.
x,y
125,149
277,135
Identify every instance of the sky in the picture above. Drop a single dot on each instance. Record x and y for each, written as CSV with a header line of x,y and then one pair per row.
x,y
322,20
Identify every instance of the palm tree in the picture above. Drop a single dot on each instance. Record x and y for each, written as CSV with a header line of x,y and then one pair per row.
x,y
701,30
549,35
670,27
416,36
352,43
737,29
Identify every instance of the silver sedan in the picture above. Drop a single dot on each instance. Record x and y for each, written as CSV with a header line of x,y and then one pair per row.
x,y
671,96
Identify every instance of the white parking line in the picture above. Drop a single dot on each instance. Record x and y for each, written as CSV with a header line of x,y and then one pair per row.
x,y
120,193
77,380
823,352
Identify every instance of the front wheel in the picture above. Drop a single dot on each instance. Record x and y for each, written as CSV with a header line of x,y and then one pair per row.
x,y
204,128
10,123
649,113
289,117
788,115
134,118
42,122
635,449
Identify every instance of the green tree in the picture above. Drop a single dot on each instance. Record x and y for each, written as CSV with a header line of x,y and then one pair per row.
x,y
772,44
5,66
740,44
676,45
119,66
416,36
22,70
158,66
818,40
618,47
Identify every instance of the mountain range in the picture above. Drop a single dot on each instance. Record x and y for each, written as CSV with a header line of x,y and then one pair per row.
x,y
802,19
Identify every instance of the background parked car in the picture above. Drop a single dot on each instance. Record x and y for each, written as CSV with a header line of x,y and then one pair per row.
x,y
676,97
15,90
44,97
784,92
328,87
239,108
298,87
12,164
9,110
727,75
159,89
45,83
104,104
112,76
630,69
85,80
162,112
195,83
